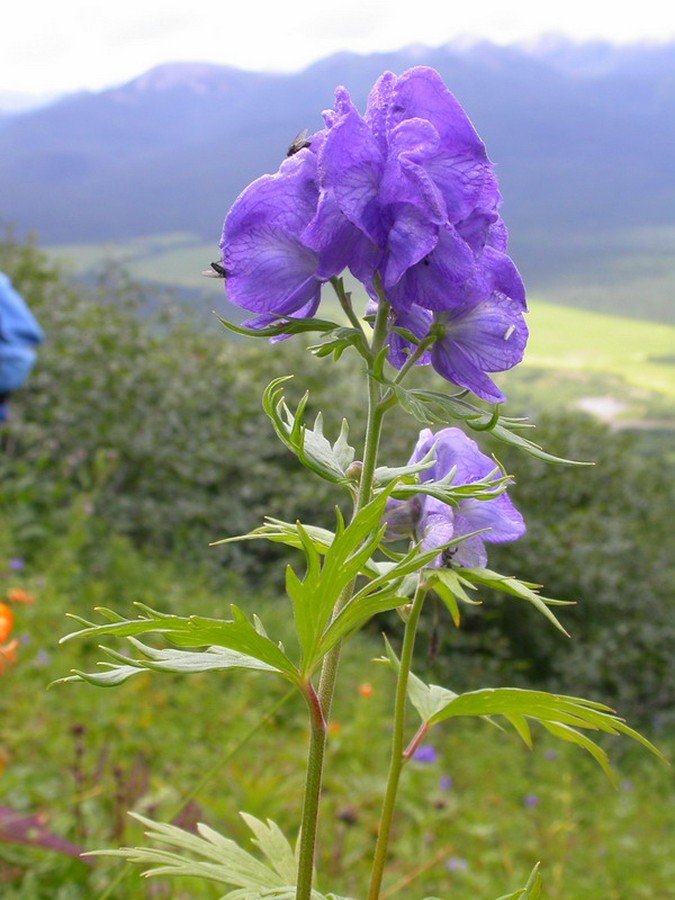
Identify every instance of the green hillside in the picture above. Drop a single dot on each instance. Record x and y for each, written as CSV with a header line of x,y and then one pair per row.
x,y
642,353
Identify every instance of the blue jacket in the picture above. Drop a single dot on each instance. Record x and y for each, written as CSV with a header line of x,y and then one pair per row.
x,y
20,333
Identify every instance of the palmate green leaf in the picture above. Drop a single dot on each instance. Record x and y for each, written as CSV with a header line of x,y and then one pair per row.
x,y
282,327
172,660
209,855
532,890
312,448
237,634
315,596
434,408
451,587
289,533
339,339
386,475
562,716
457,579
486,488
385,592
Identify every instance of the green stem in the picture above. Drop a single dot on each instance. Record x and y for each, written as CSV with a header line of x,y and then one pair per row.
x,y
323,698
397,750
310,810
344,298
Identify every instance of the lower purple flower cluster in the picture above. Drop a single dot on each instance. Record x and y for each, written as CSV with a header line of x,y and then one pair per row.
x,y
406,199
433,523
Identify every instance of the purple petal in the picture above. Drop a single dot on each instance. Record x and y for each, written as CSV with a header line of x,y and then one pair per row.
x,y
378,109
436,526
268,268
405,180
499,515
426,753
439,523
339,244
444,279
412,237
471,553
502,277
425,442
489,337
350,168
460,167
415,320
401,518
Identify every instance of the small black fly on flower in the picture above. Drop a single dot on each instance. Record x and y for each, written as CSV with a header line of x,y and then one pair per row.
x,y
447,557
299,142
215,271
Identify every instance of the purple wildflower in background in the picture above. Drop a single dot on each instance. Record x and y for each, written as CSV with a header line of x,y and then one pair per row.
x,y
456,864
17,564
406,199
426,753
531,801
446,783
434,523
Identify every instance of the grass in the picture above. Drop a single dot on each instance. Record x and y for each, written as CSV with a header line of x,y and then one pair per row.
x,y
471,824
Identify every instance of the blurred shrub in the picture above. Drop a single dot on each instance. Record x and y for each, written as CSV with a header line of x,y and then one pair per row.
x,y
160,421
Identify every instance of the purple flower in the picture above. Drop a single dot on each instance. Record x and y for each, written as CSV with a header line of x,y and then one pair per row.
x,y
269,269
474,340
456,864
425,754
531,801
446,783
16,564
405,197
434,523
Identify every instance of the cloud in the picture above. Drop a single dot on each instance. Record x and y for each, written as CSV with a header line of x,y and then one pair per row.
x,y
74,44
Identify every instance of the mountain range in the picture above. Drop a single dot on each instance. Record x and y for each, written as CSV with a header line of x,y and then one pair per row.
x,y
583,137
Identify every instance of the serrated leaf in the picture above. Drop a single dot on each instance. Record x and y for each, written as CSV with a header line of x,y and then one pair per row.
x,y
285,326
271,841
339,339
435,408
209,855
316,595
562,716
384,475
237,634
312,448
389,590
524,590
487,488
171,660
206,854
288,533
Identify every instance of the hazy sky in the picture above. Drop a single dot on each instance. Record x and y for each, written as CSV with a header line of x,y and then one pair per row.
x,y
67,45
